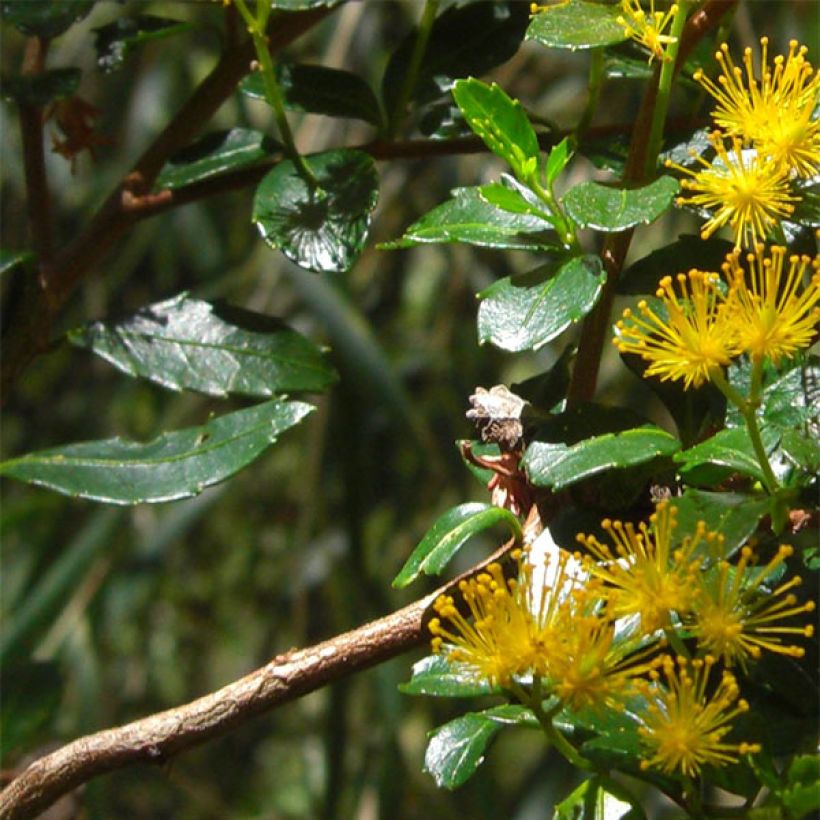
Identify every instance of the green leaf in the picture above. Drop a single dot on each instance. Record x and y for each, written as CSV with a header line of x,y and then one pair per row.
x,y
557,465
802,450
41,89
11,260
435,675
321,229
734,515
593,205
558,158
468,217
450,532
510,195
730,449
592,801
464,41
802,795
501,122
525,312
115,41
456,749
174,465
303,5
686,252
44,18
31,698
319,90
188,344
215,154
577,24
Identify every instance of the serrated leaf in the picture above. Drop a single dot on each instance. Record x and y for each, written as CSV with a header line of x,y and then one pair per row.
x,y
576,25
464,41
114,41
734,515
593,205
11,260
468,217
456,749
731,449
187,344
501,122
317,89
525,312
321,229
41,89
215,154
175,465
435,675
557,465
450,532
44,18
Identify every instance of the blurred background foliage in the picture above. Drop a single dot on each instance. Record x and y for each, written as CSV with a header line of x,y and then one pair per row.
x,y
131,611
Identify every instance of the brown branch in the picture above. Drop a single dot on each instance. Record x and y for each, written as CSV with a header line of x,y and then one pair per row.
x,y
29,328
287,677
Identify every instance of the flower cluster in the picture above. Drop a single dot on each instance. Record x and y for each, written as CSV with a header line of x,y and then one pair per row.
x,y
647,28
768,310
768,135
591,632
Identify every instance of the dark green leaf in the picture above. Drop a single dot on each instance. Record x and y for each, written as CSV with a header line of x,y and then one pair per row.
x,y
464,41
731,449
546,390
802,450
444,121
577,24
321,229
450,532
44,18
525,312
593,801
41,89
174,465
319,90
456,749
733,515
188,344
593,205
807,210
501,122
214,154
683,254
468,217
435,675
556,465
115,41
31,698
11,260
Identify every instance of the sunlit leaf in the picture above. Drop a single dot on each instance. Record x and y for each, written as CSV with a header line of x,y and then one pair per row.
x,y
435,675
577,24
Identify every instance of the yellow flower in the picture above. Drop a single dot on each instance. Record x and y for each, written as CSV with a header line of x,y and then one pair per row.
x,y
773,312
734,618
775,113
646,576
647,29
747,190
692,341
683,728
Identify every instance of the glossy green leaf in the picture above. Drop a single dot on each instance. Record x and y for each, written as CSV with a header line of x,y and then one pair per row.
x,y
175,465
215,154
435,675
557,465
510,195
593,205
450,532
802,450
323,228
11,260
115,41
734,515
501,122
577,24
525,312
465,40
319,90
187,344
303,5
730,449
41,89
558,158
457,749
31,698
592,801
468,217
44,18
